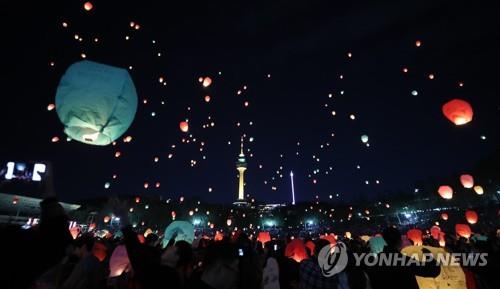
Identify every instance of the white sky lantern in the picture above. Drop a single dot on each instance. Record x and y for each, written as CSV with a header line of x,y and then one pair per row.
x,y
96,102
364,138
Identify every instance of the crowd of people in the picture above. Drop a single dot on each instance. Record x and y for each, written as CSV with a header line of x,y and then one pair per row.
x,y
47,256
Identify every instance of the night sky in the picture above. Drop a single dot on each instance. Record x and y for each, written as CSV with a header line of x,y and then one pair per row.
x,y
304,47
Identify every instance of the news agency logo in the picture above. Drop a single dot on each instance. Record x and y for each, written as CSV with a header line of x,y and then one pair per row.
x,y
332,259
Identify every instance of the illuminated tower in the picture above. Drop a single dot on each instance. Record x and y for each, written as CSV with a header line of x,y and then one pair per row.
x,y
241,166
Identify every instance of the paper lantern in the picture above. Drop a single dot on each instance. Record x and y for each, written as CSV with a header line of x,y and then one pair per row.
x,y
207,98
207,81
184,126
377,244
442,240
471,217
444,216
264,237
330,238
141,238
458,111
348,235
147,232
218,236
137,199
96,102
451,277
446,192
296,250
106,219
184,230
467,181
463,230
99,251
88,6
435,231
365,238
229,222
75,231
119,262
364,138
415,235
311,246
479,190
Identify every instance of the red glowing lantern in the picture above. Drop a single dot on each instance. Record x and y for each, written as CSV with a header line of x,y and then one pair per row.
x,y
184,126
444,216
207,98
106,219
471,217
141,238
458,111
446,192
75,231
173,215
311,246
415,235
330,238
442,241
137,200
296,250
435,232
99,251
88,6
264,237
467,181
463,230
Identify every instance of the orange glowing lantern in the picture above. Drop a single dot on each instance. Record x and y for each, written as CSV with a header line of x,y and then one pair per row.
x,y
471,217
467,181
442,241
207,98
107,219
458,111
184,126
463,230
296,250
75,231
415,235
264,237
444,216
137,200
446,192
479,190
218,236
207,81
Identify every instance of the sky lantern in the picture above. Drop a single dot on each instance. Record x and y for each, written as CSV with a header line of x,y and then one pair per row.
x,y
183,231
206,81
229,222
415,235
184,126
75,231
296,250
311,246
435,232
446,192
106,219
463,230
207,98
119,262
348,235
444,216
330,238
458,111
264,237
467,181
51,107
137,199
364,138
173,214
471,217
96,102
418,43
218,236
88,6
479,190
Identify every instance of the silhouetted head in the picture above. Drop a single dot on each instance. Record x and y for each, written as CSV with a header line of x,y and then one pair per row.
x,y
392,237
